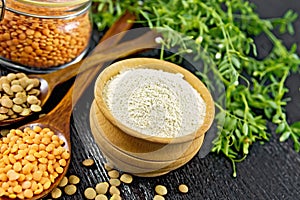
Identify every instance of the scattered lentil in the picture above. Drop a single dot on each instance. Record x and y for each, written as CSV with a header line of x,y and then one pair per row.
x,y
115,197
102,188
90,193
158,197
113,174
88,162
56,193
63,182
70,189
73,179
126,178
108,167
161,190
114,190
101,197
183,188
114,182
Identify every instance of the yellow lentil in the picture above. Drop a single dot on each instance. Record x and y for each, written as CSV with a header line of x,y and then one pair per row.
x,y
158,197
25,169
114,190
114,182
101,197
102,188
56,193
183,188
63,182
88,162
73,179
115,197
108,167
113,174
126,178
161,190
90,193
70,189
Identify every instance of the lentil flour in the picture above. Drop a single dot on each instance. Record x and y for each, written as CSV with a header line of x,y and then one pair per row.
x,y
154,102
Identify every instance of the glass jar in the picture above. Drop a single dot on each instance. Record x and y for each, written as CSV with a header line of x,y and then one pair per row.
x,y
44,35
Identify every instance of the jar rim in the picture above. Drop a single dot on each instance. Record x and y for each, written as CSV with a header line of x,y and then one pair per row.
x,y
54,3
65,9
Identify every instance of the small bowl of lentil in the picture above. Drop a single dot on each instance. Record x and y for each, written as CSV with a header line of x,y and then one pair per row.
x,y
150,116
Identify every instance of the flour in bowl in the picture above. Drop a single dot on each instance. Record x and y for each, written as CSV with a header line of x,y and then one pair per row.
x,y
154,102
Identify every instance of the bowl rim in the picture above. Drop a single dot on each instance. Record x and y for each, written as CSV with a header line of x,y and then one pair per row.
x,y
154,63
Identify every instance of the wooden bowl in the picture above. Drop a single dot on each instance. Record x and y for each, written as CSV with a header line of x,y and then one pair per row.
x,y
129,149
110,140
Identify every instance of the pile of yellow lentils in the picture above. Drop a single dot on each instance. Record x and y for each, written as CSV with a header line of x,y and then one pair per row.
x,y
30,161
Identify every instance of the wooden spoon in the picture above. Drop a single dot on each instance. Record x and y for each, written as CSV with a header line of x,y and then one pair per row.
x,y
58,119
103,54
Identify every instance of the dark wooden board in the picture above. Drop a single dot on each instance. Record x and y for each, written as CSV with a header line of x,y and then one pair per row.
x,y
271,171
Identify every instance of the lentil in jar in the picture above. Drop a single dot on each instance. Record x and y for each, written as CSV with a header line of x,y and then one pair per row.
x,y
43,37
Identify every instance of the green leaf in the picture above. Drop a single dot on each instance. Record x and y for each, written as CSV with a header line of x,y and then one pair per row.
x,y
246,148
239,112
272,104
236,62
296,142
296,125
284,136
245,129
280,128
238,133
230,123
225,147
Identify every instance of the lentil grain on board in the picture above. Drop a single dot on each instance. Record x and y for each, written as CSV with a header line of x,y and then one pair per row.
x,y
126,178
73,179
102,188
115,197
114,182
39,42
63,182
158,197
183,188
70,189
88,162
56,193
114,190
161,190
113,173
101,197
90,193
